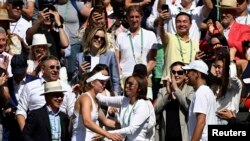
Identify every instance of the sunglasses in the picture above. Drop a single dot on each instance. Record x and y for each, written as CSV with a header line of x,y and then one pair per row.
x,y
215,44
97,37
53,67
177,72
58,95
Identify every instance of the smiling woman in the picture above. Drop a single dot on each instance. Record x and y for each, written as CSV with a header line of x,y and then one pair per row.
x,y
96,47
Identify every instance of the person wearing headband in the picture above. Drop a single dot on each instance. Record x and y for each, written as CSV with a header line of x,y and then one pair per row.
x,y
87,111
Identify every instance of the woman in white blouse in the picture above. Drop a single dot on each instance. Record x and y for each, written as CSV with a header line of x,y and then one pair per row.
x,y
137,116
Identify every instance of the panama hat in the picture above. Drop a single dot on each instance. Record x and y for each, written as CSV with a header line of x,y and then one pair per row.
x,y
53,87
4,16
228,4
39,39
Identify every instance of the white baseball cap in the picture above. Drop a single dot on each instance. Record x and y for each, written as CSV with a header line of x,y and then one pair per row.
x,y
97,76
197,65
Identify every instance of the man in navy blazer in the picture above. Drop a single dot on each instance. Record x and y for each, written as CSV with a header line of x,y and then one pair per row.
x,y
48,123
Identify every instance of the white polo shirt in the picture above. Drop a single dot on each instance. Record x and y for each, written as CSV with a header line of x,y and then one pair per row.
x,y
142,43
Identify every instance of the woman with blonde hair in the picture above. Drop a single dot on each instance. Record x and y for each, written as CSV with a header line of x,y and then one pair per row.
x,y
87,111
95,51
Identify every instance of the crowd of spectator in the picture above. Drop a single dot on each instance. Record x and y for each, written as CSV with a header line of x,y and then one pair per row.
x,y
122,70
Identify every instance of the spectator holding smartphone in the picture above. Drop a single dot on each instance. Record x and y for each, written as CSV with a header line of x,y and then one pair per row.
x,y
96,47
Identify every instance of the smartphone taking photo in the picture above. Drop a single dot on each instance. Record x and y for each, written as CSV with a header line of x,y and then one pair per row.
x,y
164,7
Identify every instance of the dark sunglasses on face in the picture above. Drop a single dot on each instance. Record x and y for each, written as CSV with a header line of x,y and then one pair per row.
x,y
178,72
216,44
57,95
97,37
15,5
53,67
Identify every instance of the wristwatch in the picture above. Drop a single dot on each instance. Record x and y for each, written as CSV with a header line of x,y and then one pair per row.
x,y
59,26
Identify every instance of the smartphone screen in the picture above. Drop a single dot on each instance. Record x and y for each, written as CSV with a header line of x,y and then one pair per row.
x,y
164,7
87,59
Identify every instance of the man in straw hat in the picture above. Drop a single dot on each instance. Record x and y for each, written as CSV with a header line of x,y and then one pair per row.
x,y
203,103
48,123
233,31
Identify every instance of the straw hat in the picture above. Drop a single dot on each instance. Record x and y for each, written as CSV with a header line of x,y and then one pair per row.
x,y
39,39
228,4
53,87
4,16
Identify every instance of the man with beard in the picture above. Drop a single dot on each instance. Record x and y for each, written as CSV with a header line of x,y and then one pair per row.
x,y
203,104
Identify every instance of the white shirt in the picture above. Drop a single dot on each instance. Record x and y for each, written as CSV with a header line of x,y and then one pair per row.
x,y
31,99
137,120
243,19
203,101
20,27
18,88
128,61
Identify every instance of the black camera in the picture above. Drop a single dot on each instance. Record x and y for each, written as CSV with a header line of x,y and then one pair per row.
x,y
246,44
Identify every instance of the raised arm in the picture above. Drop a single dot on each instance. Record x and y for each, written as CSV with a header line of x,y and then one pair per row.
x,y
115,101
208,6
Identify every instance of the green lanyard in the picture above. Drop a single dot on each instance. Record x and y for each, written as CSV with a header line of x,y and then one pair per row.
x,y
129,116
180,47
132,46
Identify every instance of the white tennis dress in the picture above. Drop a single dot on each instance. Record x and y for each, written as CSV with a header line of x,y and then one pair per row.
x,y
80,132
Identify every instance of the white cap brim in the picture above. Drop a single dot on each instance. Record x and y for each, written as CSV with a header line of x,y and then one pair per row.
x,y
97,76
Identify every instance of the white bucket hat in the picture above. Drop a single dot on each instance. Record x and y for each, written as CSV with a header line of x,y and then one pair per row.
x,y
97,76
39,39
52,87
197,65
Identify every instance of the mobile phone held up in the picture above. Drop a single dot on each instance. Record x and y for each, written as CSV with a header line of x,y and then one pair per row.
x,y
164,7
87,59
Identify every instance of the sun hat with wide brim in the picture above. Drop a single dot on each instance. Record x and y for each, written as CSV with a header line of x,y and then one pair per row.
x,y
228,4
4,16
39,39
52,87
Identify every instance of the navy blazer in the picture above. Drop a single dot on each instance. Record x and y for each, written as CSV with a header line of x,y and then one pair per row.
x,y
37,126
107,58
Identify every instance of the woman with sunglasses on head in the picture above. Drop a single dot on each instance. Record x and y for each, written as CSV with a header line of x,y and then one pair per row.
x,y
95,49
87,111
137,117
172,103
227,89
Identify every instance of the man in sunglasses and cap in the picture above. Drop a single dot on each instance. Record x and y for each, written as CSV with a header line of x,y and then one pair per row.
x,y
48,117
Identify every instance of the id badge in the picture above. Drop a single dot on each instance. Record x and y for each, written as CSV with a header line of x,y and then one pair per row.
x,y
138,60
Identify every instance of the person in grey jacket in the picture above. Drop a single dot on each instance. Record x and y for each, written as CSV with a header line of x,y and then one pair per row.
x,y
172,104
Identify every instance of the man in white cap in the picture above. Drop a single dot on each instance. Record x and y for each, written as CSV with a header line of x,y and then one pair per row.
x,y
48,117
203,104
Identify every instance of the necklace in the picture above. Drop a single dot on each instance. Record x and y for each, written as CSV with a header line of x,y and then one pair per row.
x,y
180,47
133,51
